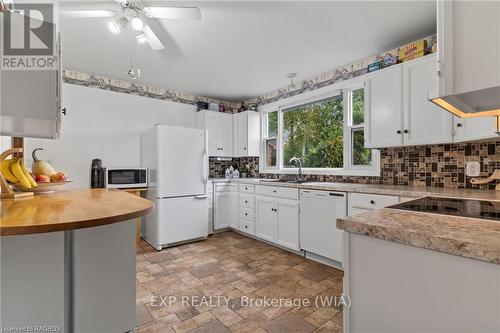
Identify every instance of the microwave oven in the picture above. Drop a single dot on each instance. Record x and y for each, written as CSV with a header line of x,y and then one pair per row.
x,y
126,177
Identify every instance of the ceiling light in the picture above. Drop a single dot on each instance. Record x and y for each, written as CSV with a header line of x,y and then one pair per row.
x,y
291,76
137,23
141,38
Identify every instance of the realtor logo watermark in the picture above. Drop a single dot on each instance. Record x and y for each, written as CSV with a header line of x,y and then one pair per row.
x,y
28,41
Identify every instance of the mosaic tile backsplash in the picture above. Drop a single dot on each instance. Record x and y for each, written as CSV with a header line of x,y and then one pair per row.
x,y
431,165
217,167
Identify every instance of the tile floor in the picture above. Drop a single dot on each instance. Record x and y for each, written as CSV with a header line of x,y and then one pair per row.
x,y
228,283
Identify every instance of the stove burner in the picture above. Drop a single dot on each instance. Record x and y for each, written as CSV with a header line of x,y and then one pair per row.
x,y
480,209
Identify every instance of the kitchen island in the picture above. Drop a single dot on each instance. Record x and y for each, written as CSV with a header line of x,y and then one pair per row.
x,y
68,261
413,271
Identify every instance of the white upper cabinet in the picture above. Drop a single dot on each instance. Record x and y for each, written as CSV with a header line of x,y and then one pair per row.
x,y
231,135
469,53
469,129
220,131
246,134
424,122
383,105
30,105
398,111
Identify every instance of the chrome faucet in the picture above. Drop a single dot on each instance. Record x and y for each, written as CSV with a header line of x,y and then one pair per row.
x,y
296,159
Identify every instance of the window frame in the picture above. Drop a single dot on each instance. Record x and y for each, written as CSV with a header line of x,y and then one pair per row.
x,y
349,169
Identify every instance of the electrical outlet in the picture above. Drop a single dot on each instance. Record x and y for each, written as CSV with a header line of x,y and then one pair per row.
x,y
473,169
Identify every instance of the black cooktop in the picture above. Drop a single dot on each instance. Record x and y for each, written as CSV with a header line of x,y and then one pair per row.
x,y
480,209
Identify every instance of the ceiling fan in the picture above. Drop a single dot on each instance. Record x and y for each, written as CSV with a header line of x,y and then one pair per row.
x,y
135,15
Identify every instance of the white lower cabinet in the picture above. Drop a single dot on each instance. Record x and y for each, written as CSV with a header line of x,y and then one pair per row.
x,y
266,222
288,224
226,206
222,205
361,202
234,212
277,220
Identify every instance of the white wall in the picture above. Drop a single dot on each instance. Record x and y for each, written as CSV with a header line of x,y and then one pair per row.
x,y
106,125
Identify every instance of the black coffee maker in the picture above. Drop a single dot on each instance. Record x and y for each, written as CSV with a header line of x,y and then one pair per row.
x,y
97,174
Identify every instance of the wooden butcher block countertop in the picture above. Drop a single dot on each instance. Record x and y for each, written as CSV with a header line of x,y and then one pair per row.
x,y
69,210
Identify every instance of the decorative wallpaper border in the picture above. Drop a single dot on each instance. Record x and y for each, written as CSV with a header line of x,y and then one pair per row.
x,y
341,73
133,88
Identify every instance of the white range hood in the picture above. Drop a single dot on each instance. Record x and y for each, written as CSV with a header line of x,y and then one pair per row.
x,y
469,58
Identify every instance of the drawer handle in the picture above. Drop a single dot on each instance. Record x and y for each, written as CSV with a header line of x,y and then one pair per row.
x,y
274,191
372,202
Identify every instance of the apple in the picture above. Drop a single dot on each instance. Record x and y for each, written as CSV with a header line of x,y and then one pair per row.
x,y
42,179
59,177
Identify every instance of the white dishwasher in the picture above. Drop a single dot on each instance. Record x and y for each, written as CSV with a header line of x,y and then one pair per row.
x,y
319,211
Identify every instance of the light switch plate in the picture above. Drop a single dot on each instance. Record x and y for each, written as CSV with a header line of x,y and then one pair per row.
x,y
473,169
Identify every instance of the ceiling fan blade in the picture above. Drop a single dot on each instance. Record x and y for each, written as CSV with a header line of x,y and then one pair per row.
x,y
89,13
152,40
175,13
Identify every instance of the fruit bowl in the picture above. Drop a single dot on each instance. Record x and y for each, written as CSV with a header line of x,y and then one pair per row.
x,y
48,187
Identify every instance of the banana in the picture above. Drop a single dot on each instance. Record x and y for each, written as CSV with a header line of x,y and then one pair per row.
x,y
27,174
15,168
5,167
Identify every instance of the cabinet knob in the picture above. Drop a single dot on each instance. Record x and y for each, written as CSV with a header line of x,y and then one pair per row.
x,y
274,191
246,201
246,214
405,131
245,148
372,202
246,227
398,132
63,110
459,125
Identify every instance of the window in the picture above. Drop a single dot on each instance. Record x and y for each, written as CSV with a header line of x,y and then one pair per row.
x,y
270,139
324,130
359,154
314,133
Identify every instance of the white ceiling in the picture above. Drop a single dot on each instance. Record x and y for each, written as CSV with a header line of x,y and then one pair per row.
x,y
240,49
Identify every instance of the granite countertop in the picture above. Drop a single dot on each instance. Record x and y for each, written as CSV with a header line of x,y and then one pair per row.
x,y
397,190
462,236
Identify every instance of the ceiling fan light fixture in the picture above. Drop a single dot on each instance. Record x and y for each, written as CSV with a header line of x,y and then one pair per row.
x,y
141,38
116,24
137,23
113,27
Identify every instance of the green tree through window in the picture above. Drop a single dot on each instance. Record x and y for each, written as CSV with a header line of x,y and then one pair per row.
x,y
314,133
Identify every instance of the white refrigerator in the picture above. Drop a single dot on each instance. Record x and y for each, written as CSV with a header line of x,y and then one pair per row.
x,y
177,163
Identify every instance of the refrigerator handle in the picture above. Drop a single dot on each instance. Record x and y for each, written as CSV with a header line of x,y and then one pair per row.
x,y
201,196
206,161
